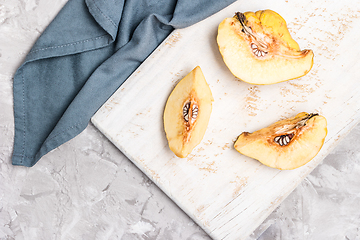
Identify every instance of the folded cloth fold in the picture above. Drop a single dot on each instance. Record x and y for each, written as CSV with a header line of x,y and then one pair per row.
x,y
83,56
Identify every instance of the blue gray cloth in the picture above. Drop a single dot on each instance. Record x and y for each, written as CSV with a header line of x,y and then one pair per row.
x,y
82,57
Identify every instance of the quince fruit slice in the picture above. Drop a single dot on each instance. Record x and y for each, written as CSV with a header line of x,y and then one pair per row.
x,y
258,49
286,144
187,113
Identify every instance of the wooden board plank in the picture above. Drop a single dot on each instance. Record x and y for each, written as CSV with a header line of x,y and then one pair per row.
x,y
226,193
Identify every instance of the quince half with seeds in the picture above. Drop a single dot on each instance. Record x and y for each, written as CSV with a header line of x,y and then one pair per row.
x,y
258,49
187,113
286,144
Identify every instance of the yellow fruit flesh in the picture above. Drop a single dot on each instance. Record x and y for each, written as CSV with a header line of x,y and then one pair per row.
x,y
192,93
274,23
308,135
266,33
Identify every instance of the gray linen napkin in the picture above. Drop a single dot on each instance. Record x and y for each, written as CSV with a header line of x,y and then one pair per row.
x,y
83,56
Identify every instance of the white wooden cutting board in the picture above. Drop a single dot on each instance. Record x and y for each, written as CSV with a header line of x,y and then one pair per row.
x,y
226,193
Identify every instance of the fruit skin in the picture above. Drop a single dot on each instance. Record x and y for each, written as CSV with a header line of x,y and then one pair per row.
x,y
183,136
309,132
243,37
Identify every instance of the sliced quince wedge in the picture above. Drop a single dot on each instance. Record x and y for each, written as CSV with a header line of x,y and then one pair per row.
x,y
187,113
286,144
258,49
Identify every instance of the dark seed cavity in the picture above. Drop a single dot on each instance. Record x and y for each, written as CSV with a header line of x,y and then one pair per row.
x,y
257,52
194,112
186,111
284,140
